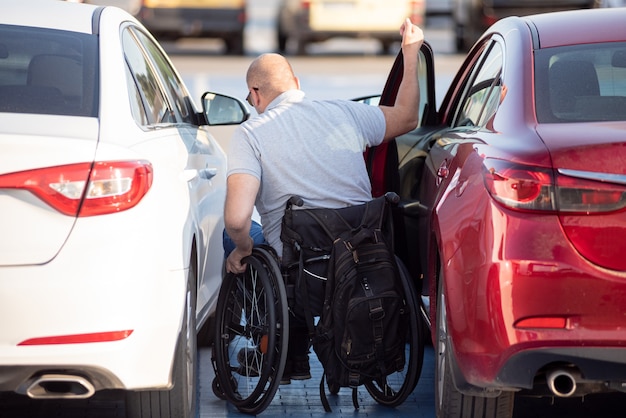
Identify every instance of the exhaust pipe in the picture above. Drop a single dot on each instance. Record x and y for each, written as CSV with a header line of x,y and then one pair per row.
x,y
562,382
59,386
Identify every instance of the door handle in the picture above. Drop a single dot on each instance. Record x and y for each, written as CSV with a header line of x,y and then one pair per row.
x,y
207,173
443,171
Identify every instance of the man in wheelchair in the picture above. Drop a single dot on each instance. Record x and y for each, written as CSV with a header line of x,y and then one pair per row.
x,y
308,148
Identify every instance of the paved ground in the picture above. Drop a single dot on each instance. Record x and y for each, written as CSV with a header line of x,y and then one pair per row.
x,y
301,398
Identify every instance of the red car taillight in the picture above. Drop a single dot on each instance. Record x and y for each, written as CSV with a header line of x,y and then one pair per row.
x,y
86,189
535,189
590,206
520,187
578,195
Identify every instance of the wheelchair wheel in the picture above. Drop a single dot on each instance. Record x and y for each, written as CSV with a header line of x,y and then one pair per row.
x,y
396,387
251,333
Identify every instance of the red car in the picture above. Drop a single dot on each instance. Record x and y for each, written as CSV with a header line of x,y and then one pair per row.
x,y
514,198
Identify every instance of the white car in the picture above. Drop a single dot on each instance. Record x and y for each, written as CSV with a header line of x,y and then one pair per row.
x,y
111,194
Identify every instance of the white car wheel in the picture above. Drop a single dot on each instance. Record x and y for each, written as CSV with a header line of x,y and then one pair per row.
x,y
182,400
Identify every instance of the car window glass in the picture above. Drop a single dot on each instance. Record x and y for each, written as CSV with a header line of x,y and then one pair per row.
x,y
423,84
178,94
46,71
482,94
154,100
581,83
136,104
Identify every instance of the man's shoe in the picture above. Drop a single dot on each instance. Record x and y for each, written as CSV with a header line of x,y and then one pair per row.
x,y
250,361
297,369
300,368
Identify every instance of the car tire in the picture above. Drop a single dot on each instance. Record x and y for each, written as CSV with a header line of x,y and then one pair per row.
x,y
206,335
301,47
386,46
181,401
234,45
281,40
449,402
459,39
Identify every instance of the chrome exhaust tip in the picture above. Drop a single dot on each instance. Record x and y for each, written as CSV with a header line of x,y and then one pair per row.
x,y
561,382
59,386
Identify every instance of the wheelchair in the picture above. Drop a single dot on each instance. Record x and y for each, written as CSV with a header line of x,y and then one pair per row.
x,y
252,317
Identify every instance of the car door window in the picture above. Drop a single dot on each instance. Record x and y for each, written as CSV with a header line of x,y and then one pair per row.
x,y
174,86
137,108
157,108
482,94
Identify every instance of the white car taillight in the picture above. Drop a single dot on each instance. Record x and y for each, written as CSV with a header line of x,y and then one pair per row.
x,y
112,186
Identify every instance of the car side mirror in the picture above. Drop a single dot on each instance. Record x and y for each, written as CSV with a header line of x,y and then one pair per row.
x,y
220,109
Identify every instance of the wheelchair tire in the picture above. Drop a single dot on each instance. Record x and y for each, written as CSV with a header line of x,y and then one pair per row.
x,y
251,333
395,389
217,390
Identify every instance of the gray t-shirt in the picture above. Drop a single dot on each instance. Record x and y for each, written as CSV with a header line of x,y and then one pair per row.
x,y
310,148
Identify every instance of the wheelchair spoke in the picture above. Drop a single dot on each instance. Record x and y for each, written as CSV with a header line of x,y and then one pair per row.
x,y
252,309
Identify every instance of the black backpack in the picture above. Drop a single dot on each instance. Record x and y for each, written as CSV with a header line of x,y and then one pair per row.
x,y
361,332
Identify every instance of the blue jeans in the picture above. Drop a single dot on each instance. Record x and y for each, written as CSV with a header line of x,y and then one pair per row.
x,y
256,232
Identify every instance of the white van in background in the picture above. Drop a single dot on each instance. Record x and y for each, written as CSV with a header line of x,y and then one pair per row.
x,y
306,21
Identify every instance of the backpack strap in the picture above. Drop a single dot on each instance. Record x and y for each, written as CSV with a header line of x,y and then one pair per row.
x,y
377,313
355,398
323,397
326,404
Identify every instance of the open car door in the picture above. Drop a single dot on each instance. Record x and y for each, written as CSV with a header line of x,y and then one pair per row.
x,y
397,165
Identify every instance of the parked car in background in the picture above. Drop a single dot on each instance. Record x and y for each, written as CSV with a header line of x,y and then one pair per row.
x,y
112,191
305,21
174,19
131,6
513,211
472,17
612,3
438,7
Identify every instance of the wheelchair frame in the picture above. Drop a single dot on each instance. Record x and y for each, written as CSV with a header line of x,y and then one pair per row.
x,y
252,318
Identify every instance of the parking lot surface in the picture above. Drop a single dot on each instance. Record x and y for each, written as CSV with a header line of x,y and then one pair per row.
x,y
302,398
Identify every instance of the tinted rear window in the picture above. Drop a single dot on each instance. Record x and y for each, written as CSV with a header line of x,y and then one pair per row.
x,y
48,71
581,83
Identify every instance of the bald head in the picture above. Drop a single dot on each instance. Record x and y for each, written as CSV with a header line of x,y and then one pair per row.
x,y
272,75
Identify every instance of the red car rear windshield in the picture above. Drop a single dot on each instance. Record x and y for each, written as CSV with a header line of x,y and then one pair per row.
x,y
47,71
581,83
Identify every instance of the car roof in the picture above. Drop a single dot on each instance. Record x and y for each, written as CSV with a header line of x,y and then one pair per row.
x,y
53,14
579,26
